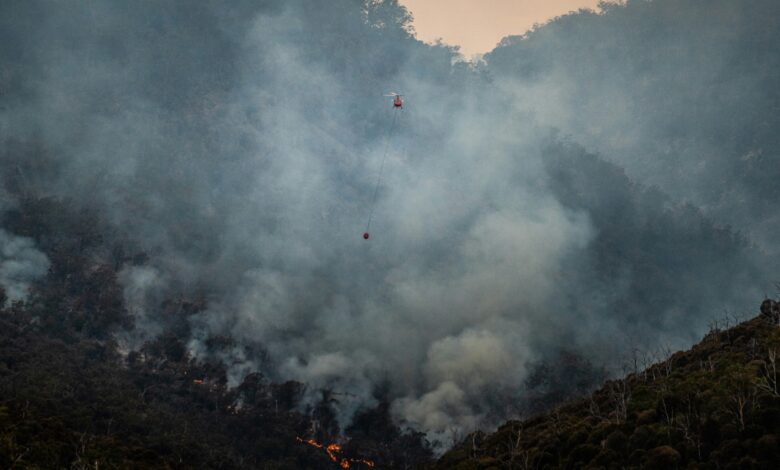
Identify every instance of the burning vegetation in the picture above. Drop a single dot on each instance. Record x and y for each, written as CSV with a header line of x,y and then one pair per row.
x,y
157,398
333,451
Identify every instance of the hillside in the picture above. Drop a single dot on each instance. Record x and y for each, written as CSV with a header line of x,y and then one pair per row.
x,y
716,405
72,397
184,189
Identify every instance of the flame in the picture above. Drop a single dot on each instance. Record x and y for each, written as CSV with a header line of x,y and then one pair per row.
x,y
198,382
333,450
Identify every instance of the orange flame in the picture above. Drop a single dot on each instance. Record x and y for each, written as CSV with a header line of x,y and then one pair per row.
x,y
333,450
198,382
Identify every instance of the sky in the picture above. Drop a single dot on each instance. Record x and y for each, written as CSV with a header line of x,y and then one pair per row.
x,y
478,25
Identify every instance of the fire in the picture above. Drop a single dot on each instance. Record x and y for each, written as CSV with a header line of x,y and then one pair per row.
x,y
333,450
198,382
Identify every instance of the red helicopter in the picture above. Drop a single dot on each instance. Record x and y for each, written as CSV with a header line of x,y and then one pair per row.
x,y
397,101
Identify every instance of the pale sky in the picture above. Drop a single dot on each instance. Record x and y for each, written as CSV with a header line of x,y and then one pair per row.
x,y
477,25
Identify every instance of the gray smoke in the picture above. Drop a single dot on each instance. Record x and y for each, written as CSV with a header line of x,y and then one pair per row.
x,y
20,265
238,146
681,93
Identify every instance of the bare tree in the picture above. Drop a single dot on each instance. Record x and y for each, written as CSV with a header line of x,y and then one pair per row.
x,y
620,397
768,379
595,410
740,400
517,454
707,365
687,423
741,395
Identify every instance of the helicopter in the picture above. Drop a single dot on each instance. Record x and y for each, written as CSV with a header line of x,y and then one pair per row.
x,y
398,104
397,101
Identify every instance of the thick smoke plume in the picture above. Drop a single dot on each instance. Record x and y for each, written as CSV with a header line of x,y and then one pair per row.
x,y
237,146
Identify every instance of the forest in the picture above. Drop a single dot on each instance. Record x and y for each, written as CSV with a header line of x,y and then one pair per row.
x,y
183,189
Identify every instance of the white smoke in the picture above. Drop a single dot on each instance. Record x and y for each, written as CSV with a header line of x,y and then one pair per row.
x,y
20,264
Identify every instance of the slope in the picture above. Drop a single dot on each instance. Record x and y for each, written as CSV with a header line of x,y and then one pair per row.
x,y
716,405
72,397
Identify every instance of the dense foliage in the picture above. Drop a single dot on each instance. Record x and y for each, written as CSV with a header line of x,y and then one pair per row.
x,y
714,406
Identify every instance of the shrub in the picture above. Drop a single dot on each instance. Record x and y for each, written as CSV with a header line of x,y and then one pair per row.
x,y
646,417
618,442
663,458
581,455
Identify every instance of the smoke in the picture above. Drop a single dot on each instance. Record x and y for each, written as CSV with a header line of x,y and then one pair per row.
x,y
144,291
239,148
20,264
678,92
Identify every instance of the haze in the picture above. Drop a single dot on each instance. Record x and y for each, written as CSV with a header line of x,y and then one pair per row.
x,y
602,185
477,25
